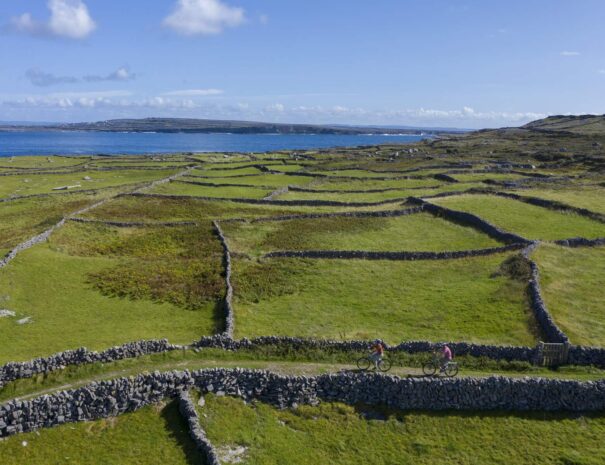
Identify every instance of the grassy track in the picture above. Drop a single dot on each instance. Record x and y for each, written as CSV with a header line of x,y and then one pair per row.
x,y
467,299
277,360
341,434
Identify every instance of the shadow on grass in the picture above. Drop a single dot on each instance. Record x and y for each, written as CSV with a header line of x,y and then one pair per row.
x,y
219,316
384,413
371,370
179,431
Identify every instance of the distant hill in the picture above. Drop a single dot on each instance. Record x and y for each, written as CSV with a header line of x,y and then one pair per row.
x,y
580,124
174,125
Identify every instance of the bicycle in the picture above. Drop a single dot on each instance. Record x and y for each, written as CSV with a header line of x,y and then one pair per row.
x,y
430,368
365,362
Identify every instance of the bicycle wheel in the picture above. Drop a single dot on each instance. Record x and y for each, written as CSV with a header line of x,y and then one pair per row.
x,y
363,363
451,370
384,365
429,368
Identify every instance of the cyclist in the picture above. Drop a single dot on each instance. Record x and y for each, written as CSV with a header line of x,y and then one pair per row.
x,y
446,356
377,353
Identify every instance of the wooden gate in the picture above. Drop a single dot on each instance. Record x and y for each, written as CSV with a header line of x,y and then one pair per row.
x,y
552,355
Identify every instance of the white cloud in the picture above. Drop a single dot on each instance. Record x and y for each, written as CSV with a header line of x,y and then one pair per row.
x,y
264,19
106,100
68,18
567,53
25,23
42,78
193,92
205,17
601,71
106,104
276,107
120,74
91,94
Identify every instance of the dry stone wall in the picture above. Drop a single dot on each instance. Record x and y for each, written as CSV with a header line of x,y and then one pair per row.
x,y
133,224
111,398
227,302
509,353
277,193
581,242
547,324
359,191
368,255
471,220
445,177
307,203
550,204
203,444
350,214
43,237
19,370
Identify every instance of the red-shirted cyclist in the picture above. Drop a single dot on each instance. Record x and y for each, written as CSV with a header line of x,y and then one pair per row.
x,y
377,353
446,356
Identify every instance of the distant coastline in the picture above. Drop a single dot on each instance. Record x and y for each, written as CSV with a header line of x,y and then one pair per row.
x,y
206,126
78,142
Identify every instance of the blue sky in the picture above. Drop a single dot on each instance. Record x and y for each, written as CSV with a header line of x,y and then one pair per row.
x,y
481,63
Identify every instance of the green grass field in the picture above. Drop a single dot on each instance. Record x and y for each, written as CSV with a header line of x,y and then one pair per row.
x,y
371,196
418,232
154,435
22,219
356,173
182,188
521,218
572,285
220,173
28,184
367,184
340,434
590,198
152,209
35,162
96,286
478,177
466,299
274,180
90,280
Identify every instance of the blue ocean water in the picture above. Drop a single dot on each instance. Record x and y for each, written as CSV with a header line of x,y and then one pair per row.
x,y
76,142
